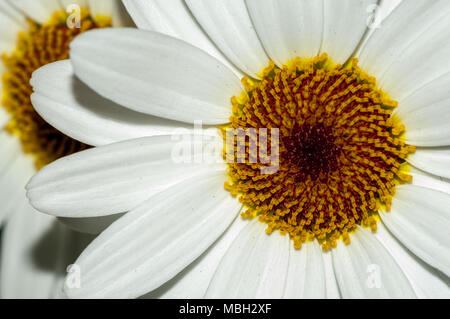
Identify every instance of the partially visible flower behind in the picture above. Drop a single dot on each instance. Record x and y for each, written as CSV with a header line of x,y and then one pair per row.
x,y
36,248
362,189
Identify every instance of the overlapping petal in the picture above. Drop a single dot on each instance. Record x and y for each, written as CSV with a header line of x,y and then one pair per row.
x,y
420,219
115,178
345,23
193,281
36,250
306,273
229,26
154,242
288,29
11,23
427,180
426,281
255,266
365,269
411,34
39,11
173,18
155,74
77,111
110,8
432,160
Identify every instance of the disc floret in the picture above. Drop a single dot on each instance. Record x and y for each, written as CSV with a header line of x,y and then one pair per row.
x,y
341,153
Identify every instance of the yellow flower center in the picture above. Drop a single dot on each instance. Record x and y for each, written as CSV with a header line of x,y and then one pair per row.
x,y
340,151
40,45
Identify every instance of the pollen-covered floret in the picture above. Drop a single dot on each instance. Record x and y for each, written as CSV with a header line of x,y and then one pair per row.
x,y
341,154
40,45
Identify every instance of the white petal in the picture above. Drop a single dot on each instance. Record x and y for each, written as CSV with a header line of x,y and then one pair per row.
x,y
345,23
365,269
15,170
255,266
432,93
415,31
36,250
77,111
306,274
229,26
110,8
73,245
10,148
82,3
426,281
424,110
193,282
429,125
432,160
4,116
420,219
376,15
12,183
9,10
173,18
21,274
11,23
424,179
10,206
90,225
330,276
432,49
101,7
385,8
115,178
151,244
155,74
288,28
40,11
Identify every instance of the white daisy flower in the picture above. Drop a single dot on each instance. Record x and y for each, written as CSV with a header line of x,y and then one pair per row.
x,y
359,204
32,34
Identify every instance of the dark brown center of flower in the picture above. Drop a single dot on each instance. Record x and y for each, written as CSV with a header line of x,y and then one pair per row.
x,y
312,149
